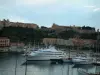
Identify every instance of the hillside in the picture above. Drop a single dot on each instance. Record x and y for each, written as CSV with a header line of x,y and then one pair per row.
x,y
29,34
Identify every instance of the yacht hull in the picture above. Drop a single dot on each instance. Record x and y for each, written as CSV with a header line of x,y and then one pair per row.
x,y
81,62
35,58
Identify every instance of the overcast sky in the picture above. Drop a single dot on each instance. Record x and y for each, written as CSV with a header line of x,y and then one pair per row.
x,y
46,12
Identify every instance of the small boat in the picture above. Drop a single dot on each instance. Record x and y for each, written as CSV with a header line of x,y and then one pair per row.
x,y
97,54
67,60
97,63
81,60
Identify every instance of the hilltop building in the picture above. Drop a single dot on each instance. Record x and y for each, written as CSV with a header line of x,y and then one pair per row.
x,y
84,29
7,23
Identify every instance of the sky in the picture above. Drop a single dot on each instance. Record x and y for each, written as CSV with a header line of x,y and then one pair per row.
x,y
47,12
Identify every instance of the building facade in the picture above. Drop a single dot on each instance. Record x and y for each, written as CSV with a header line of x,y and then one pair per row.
x,y
75,42
84,29
49,41
4,42
55,41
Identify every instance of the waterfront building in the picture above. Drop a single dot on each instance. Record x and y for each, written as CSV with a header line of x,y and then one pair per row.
x,y
60,42
50,41
78,42
53,41
69,42
17,44
4,42
75,42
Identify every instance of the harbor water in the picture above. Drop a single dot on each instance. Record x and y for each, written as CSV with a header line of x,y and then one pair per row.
x,y
12,64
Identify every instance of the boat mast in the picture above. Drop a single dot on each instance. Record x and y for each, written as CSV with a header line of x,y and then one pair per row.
x,y
97,48
78,45
26,66
34,43
37,45
26,62
97,44
16,55
69,52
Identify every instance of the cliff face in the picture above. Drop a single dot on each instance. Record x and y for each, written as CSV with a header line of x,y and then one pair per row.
x,y
7,23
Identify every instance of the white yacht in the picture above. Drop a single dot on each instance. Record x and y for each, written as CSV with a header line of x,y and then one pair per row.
x,y
81,60
46,54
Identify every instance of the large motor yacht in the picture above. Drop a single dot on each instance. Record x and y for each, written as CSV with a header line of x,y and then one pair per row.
x,y
46,54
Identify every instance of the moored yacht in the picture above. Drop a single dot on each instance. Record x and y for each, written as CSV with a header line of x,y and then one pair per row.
x,y
46,54
81,60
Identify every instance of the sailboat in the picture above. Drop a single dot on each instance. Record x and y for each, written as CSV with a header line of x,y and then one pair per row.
x,y
27,50
97,59
68,58
81,59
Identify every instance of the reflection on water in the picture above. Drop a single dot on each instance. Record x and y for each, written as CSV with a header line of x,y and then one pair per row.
x,y
8,62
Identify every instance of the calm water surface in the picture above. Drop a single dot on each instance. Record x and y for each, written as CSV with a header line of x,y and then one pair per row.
x,y
8,62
